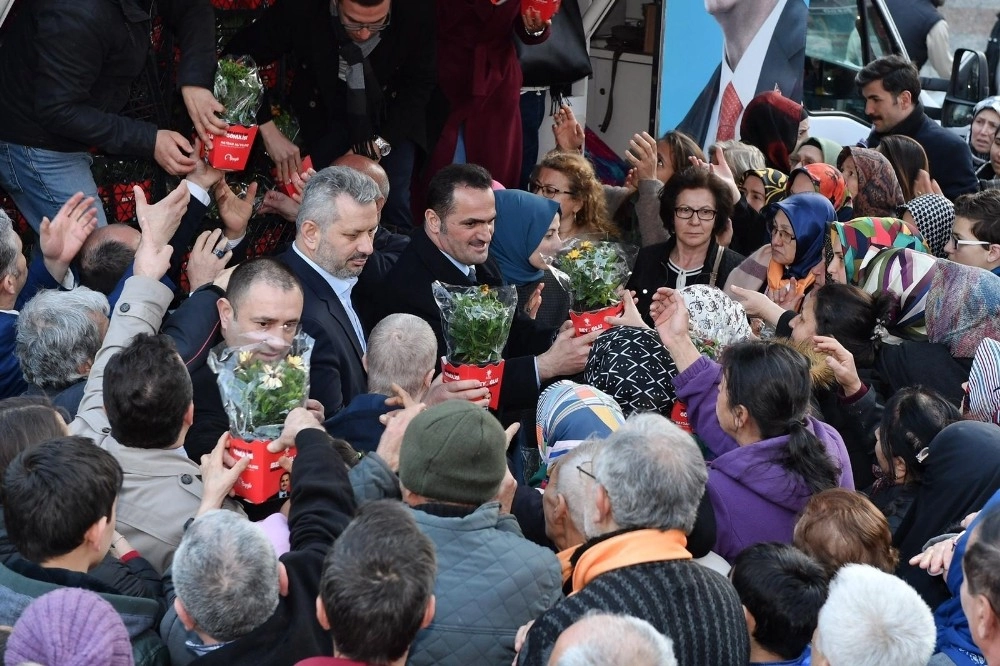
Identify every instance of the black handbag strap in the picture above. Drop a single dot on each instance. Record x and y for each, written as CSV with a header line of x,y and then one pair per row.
x,y
611,88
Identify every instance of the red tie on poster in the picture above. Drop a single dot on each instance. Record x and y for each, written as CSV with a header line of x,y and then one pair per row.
x,y
729,113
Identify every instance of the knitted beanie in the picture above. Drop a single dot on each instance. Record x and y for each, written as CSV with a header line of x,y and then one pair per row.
x,y
69,627
454,452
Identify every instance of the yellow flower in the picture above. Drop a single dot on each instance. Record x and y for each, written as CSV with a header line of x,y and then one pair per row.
x,y
586,245
573,254
271,382
484,289
245,357
295,362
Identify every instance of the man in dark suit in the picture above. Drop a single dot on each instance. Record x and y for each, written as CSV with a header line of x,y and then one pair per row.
x,y
334,239
453,247
742,23
365,71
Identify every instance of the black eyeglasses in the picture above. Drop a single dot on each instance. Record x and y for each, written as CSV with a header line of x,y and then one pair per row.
x,y
785,236
546,191
370,27
686,213
580,469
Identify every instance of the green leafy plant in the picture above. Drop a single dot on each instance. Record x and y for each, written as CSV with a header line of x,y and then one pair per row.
x,y
258,393
238,88
286,123
476,321
592,273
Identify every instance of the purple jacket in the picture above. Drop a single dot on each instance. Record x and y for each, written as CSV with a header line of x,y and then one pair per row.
x,y
755,499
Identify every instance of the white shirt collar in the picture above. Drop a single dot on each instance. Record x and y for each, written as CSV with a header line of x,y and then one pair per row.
x,y
340,286
464,268
747,74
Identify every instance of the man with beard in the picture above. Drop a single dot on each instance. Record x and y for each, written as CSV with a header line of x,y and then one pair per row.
x,y
335,229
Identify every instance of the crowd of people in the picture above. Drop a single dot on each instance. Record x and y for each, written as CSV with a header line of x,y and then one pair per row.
x,y
784,450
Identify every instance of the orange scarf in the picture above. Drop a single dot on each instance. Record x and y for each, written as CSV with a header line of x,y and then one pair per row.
x,y
777,281
628,549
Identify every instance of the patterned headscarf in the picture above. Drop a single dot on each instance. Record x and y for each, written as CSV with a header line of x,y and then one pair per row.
x,y
987,103
568,413
879,193
771,122
633,367
864,237
775,183
984,382
935,217
828,181
715,317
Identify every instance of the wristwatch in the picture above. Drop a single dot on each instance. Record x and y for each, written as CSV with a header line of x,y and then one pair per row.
x,y
382,146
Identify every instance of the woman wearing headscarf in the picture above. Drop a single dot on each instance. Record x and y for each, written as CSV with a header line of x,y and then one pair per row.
x,y
872,182
759,189
787,268
771,122
985,125
934,216
817,150
526,231
568,413
937,300
989,173
826,180
961,473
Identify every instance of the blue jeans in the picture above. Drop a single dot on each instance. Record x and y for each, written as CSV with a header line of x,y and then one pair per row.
x,y
41,181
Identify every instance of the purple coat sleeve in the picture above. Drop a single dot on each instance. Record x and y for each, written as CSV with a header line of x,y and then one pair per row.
x,y
698,387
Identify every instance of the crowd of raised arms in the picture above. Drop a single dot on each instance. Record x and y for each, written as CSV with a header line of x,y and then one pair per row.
x,y
774,439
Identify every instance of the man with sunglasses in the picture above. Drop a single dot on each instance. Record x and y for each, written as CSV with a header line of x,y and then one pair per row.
x,y
975,238
362,75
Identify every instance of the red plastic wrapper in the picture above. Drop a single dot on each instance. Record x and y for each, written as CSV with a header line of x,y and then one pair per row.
x,y
489,376
264,479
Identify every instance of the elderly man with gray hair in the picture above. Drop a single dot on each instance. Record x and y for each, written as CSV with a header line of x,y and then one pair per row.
x,y
58,335
234,601
612,640
646,483
402,350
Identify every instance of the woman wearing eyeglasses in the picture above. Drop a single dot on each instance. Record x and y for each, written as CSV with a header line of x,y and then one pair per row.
x,y
788,268
694,206
569,179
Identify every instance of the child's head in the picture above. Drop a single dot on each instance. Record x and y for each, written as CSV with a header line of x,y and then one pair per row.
x,y
60,496
782,590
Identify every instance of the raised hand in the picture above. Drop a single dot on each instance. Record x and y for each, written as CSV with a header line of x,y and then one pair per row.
x,y
282,152
841,362
568,132
205,263
235,211
159,221
62,237
641,154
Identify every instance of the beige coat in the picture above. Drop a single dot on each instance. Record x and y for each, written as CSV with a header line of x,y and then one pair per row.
x,y
162,488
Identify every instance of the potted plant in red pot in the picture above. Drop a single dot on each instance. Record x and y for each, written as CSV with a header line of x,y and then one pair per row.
x,y
257,393
476,322
239,89
593,273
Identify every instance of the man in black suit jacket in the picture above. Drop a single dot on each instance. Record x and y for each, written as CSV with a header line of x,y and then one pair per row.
x,y
396,40
453,247
336,227
782,66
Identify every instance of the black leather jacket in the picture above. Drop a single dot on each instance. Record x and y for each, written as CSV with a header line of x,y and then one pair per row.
x,y
67,66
